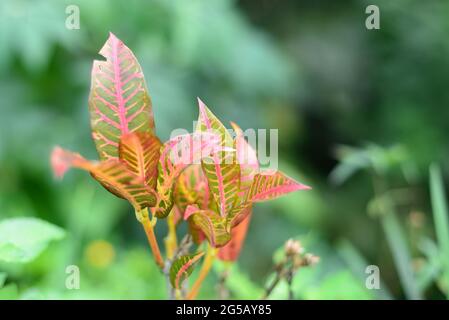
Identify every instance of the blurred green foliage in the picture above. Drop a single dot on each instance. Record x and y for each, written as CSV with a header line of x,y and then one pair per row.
x,y
308,68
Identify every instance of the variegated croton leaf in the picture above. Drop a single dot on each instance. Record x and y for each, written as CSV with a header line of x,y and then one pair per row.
x,y
272,184
176,155
192,188
140,151
122,128
241,214
181,268
119,102
221,168
214,226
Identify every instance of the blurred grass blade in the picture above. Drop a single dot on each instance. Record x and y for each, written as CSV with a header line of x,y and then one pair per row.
x,y
357,264
401,254
432,268
440,216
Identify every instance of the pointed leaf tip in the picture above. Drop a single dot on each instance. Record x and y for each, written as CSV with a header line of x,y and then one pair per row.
x,y
270,185
235,126
59,167
61,161
203,108
200,102
112,174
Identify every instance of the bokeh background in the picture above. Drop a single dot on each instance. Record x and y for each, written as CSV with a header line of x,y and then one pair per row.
x,y
355,109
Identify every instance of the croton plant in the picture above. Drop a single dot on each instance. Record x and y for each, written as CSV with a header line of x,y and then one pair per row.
x,y
209,179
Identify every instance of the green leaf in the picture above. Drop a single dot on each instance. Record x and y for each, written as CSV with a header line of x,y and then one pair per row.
x,y
182,268
372,156
2,279
9,292
23,239
119,102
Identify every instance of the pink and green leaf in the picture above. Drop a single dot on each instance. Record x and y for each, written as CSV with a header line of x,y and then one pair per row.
x,y
119,102
221,168
270,185
112,174
223,176
176,155
208,122
182,268
214,227
140,151
192,188
247,159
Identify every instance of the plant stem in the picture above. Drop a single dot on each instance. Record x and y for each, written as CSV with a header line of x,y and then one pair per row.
x,y
171,241
149,231
274,283
205,268
289,278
